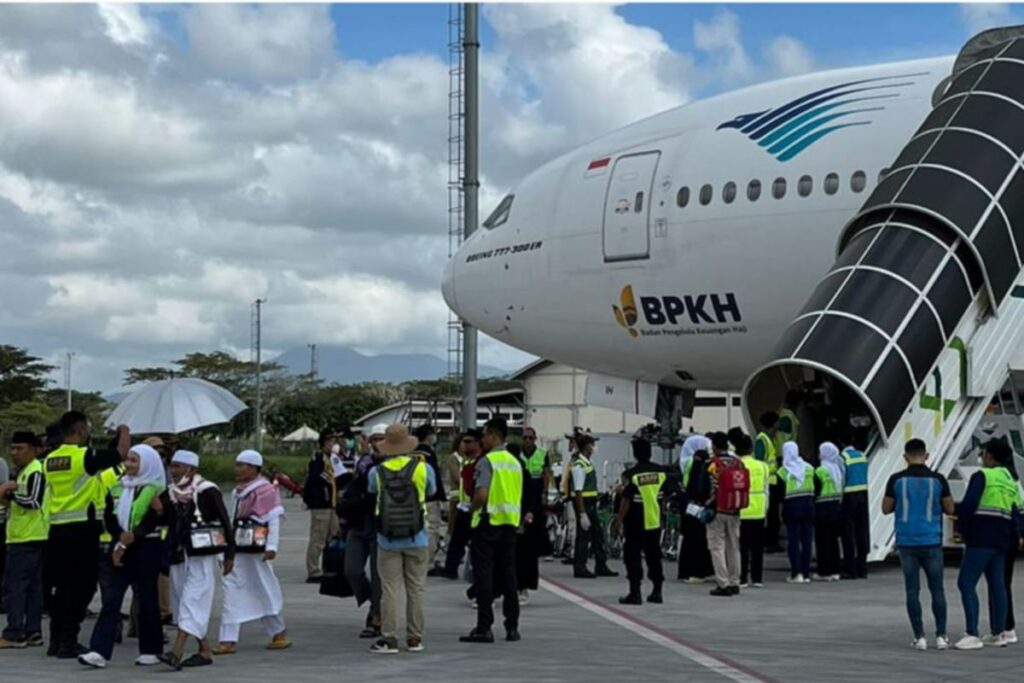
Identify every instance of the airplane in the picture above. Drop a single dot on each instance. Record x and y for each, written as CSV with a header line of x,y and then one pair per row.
x,y
709,247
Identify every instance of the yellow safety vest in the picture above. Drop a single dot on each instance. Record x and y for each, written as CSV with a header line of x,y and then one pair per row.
x,y
649,485
771,457
419,478
590,477
505,492
757,508
24,525
71,490
106,481
781,436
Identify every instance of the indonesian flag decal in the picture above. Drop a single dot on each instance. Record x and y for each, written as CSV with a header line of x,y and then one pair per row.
x,y
598,167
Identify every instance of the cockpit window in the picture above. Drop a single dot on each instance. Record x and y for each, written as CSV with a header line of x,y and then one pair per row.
x,y
500,215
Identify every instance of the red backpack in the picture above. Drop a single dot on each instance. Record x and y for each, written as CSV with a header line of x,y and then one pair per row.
x,y
733,492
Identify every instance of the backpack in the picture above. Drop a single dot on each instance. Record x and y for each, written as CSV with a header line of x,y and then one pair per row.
x,y
733,492
400,514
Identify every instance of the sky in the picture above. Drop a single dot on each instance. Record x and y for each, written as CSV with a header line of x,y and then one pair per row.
x,y
162,166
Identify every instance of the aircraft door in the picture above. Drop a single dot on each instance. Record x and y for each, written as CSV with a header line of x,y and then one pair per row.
x,y
627,207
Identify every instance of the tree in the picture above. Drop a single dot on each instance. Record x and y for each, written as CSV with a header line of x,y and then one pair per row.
x,y
21,375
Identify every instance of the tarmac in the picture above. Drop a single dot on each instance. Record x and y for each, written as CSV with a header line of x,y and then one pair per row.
x,y
575,630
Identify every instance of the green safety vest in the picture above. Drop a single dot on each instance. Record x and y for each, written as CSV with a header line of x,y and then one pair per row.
x,y
781,436
829,491
1001,493
505,492
590,482
419,479
757,508
795,490
24,525
534,464
71,491
649,485
771,456
140,505
687,467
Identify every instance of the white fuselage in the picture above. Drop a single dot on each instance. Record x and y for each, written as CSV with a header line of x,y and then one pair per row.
x,y
715,284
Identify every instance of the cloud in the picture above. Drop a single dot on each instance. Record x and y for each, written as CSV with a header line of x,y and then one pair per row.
x,y
789,57
720,39
125,25
978,16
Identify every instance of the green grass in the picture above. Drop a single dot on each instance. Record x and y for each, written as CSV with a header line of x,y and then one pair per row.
x,y
220,467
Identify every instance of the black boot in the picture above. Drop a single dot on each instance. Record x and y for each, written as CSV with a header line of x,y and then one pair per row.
x,y
655,595
632,599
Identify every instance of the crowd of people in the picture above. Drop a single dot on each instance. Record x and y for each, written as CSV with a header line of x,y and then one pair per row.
x,y
81,520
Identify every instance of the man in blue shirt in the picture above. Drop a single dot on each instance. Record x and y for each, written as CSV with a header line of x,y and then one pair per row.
x,y
919,496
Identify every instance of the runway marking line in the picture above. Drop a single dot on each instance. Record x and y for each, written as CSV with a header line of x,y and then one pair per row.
x,y
699,655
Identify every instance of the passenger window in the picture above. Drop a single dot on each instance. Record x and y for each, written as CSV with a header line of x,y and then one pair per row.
x,y
705,195
729,192
638,204
831,183
683,197
858,181
804,186
500,215
779,188
754,190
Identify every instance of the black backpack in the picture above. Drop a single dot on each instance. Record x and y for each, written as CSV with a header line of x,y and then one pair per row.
x,y
401,513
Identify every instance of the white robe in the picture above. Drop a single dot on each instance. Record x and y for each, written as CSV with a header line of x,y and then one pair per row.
x,y
193,583
251,590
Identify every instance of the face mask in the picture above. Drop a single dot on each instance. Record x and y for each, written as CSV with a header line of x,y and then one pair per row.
x,y
335,449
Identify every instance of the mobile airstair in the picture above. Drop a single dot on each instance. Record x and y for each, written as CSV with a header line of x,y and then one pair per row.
x,y
911,332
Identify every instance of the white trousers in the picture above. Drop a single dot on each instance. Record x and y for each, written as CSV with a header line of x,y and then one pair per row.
x,y
193,583
273,624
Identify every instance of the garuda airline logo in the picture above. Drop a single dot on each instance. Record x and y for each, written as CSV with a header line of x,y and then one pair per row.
x,y
789,129
627,315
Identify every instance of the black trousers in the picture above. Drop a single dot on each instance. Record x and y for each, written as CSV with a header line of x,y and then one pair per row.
x,y
643,544
591,540
493,552
71,556
826,542
140,570
23,590
528,547
752,533
856,533
1011,559
694,556
776,494
461,533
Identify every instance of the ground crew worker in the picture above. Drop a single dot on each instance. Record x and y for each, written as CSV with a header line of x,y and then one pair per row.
x,y
107,485
639,519
496,515
28,527
752,517
70,472
767,451
589,534
537,476
990,520
856,523
798,511
828,492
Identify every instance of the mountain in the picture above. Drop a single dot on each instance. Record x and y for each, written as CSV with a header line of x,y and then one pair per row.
x,y
342,365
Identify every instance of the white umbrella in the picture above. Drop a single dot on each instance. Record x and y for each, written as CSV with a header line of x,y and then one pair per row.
x,y
173,406
303,433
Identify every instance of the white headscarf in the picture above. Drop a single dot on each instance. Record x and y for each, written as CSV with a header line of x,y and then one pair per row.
x,y
832,461
794,464
151,471
695,443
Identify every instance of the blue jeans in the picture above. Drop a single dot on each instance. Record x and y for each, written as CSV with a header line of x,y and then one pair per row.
x,y
23,590
799,536
987,561
913,560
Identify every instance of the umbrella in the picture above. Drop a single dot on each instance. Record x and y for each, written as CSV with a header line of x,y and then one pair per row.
x,y
173,406
303,433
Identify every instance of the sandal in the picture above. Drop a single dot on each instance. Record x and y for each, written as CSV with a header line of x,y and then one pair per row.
x,y
172,660
196,660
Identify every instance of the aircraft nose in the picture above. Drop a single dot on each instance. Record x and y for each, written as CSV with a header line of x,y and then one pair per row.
x,y
448,285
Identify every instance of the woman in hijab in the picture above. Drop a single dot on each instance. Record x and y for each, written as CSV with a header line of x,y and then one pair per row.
x,y
798,511
133,520
828,493
694,557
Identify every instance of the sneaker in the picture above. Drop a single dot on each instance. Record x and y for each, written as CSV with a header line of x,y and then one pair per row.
x,y
799,578
1009,636
384,647
757,584
693,579
12,644
969,643
722,592
93,659
993,640
818,577
834,578
36,640
414,645
744,585
147,660
524,597
919,644
941,643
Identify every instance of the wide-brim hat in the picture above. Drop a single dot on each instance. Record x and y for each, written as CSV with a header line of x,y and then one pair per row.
x,y
397,441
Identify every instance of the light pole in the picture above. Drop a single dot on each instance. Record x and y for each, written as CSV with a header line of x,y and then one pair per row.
x,y
471,188
67,375
313,358
257,342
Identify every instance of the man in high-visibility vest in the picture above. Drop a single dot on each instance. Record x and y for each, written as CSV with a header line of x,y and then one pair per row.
x,y
496,516
766,450
640,519
28,527
589,534
70,472
856,522
752,517
470,450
